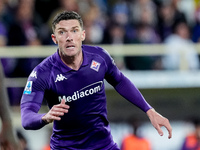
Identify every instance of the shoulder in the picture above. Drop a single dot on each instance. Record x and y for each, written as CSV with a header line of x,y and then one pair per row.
x,y
44,69
40,77
98,52
95,49
45,65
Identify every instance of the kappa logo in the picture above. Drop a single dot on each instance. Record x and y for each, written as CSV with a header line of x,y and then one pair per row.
x,y
33,74
95,65
60,77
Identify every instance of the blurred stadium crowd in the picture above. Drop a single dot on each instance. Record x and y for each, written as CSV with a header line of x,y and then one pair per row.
x,y
28,22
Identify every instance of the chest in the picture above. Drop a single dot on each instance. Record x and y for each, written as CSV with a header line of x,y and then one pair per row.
x,y
85,79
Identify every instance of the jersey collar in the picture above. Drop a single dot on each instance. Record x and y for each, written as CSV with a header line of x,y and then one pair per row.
x,y
64,67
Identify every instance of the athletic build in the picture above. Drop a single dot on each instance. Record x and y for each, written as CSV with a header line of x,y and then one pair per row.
x,y
72,83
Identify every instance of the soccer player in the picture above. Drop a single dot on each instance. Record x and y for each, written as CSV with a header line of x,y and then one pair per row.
x,y
8,138
72,82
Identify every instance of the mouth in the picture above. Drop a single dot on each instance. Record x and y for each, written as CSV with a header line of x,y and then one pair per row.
x,y
70,46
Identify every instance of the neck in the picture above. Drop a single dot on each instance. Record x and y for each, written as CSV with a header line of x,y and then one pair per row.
x,y
74,62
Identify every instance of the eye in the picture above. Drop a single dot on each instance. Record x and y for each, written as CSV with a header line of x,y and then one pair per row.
x,y
61,32
75,30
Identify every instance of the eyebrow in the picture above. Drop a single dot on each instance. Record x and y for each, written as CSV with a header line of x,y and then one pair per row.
x,y
75,27
61,28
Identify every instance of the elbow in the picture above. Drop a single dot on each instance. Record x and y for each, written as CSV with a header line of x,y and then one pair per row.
x,y
25,120
30,119
25,124
32,123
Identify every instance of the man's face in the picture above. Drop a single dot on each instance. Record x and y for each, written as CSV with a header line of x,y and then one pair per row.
x,y
68,35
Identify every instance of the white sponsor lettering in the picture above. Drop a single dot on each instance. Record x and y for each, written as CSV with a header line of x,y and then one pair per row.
x,y
82,93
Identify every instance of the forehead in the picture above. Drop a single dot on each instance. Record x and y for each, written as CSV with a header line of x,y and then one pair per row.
x,y
68,24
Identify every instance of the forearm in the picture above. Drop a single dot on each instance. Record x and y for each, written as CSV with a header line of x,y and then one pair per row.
x,y
30,118
128,90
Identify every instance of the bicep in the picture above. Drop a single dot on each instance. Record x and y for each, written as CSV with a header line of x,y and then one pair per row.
x,y
114,76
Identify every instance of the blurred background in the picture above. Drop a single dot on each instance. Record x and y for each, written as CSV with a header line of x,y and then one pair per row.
x,y
155,43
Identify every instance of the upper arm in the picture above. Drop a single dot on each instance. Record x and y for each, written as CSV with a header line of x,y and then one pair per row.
x,y
113,75
32,100
35,87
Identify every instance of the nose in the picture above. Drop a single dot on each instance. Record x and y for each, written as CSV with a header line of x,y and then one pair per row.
x,y
68,38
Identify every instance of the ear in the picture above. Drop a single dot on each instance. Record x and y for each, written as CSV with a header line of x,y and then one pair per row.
x,y
54,38
83,35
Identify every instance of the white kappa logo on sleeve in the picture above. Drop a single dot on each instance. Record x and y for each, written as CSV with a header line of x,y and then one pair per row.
x,y
33,74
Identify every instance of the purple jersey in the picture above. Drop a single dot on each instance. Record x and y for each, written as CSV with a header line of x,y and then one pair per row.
x,y
85,126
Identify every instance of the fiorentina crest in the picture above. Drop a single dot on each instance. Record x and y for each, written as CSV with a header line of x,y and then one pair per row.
x,y
95,65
